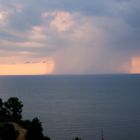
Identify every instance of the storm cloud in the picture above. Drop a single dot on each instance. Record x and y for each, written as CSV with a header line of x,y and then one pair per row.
x,y
81,37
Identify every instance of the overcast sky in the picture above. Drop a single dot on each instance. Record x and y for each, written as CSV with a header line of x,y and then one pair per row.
x,y
71,36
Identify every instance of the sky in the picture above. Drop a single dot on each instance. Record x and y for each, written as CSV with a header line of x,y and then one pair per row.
x,y
69,37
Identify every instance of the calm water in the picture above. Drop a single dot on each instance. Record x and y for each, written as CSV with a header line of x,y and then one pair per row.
x,y
71,106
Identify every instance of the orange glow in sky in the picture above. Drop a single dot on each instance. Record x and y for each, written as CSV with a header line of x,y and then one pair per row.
x,y
27,69
135,65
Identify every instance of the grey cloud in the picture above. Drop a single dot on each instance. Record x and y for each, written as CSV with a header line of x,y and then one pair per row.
x,y
118,19
25,20
33,9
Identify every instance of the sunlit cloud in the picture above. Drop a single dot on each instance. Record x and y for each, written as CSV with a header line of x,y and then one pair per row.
x,y
3,17
37,33
28,68
62,21
95,37
135,65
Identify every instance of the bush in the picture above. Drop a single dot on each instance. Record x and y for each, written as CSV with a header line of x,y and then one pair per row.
x,y
8,132
34,130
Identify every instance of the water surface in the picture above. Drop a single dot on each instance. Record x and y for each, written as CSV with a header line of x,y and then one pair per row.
x,y
71,106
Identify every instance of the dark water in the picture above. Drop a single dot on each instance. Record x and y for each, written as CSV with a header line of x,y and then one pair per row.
x,y
71,106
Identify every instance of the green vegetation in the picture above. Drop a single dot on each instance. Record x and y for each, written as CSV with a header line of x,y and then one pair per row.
x,y
12,127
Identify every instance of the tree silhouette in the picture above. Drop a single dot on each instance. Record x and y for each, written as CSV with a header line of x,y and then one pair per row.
x,y
13,108
46,138
10,111
3,111
34,130
8,132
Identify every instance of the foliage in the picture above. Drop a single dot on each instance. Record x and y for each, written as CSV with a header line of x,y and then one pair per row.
x,y
7,132
14,108
10,111
46,138
34,130
1,110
